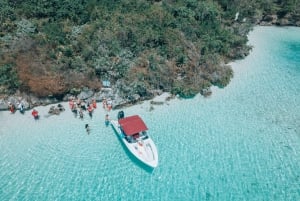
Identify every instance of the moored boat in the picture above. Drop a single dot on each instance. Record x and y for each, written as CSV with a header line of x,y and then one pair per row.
x,y
133,132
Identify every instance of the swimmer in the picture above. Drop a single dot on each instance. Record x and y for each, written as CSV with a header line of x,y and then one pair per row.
x,y
87,128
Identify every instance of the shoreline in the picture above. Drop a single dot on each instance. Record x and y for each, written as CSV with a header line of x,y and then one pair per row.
x,y
29,102
159,100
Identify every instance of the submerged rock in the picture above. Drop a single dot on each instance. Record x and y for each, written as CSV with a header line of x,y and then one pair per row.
x,y
156,102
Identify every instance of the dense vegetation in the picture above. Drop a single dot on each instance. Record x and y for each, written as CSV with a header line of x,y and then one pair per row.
x,y
181,46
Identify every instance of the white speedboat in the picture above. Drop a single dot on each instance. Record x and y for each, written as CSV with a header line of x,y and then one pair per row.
x,y
132,131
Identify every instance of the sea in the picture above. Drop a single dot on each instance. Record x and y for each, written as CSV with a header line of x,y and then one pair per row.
x,y
241,143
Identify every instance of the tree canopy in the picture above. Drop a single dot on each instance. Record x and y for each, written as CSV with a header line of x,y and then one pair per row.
x,y
179,46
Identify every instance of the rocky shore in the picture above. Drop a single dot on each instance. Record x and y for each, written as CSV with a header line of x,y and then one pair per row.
x,y
276,20
30,101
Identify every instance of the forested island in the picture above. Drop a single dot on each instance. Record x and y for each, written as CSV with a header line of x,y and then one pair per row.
x,y
58,47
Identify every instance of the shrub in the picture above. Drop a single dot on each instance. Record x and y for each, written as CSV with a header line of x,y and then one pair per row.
x,y
9,77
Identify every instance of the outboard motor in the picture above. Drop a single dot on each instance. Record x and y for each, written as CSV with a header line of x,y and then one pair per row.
x,y
120,114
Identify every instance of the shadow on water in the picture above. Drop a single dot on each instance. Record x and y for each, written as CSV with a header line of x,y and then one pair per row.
x,y
131,156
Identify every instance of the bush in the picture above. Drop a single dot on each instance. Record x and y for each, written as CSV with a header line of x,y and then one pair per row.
x,y
9,77
187,38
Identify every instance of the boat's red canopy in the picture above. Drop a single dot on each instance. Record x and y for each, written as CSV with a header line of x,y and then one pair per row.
x,y
132,125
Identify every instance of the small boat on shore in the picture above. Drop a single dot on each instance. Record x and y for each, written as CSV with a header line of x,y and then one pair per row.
x,y
132,132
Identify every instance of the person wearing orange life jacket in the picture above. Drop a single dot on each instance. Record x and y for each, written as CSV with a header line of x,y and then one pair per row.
x,y
94,103
109,104
11,107
35,114
90,109
71,103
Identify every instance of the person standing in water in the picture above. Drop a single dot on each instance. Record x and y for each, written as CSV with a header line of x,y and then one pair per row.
x,y
106,120
104,102
87,128
90,110
80,113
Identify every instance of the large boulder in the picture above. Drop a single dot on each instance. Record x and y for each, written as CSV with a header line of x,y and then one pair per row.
x,y
104,93
85,94
272,19
206,92
3,104
56,109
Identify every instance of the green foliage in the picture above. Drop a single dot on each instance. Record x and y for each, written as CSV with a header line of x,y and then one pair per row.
x,y
6,11
110,37
54,33
184,91
9,77
68,52
140,88
288,6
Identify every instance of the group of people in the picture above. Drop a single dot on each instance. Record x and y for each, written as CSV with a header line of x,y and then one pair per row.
x,y
107,104
77,106
12,108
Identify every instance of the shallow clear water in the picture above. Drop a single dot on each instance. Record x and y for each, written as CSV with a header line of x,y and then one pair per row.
x,y
242,143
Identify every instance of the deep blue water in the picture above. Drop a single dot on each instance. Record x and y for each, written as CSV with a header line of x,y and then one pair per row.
x,y
242,143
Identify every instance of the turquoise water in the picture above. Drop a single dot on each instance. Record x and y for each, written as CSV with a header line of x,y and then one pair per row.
x,y
242,143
